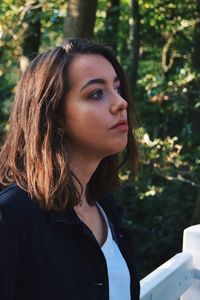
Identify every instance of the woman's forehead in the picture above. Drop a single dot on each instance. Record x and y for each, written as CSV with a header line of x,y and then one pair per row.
x,y
89,66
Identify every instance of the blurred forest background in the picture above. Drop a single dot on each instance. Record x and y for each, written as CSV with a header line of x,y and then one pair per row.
x,y
158,43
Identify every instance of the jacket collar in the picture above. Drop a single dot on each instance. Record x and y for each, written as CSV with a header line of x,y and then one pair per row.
x,y
69,216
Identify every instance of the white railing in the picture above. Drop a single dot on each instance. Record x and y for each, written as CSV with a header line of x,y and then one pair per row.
x,y
179,277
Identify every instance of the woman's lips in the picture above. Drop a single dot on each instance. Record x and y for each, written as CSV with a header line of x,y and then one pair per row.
x,y
122,125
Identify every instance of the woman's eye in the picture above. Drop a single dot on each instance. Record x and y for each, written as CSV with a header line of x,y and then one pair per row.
x,y
118,90
97,94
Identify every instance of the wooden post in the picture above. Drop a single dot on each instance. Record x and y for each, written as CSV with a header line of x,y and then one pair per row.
x,y
170,280
191,244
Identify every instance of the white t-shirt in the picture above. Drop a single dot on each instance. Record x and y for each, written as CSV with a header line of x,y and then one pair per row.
x,y
118,273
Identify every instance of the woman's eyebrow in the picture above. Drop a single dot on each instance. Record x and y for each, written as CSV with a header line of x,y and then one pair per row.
x,y
97,80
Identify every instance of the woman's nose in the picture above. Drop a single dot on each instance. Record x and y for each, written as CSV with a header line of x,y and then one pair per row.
x,y
118,104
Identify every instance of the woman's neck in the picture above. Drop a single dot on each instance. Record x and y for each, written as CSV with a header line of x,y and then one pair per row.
x,y
83,170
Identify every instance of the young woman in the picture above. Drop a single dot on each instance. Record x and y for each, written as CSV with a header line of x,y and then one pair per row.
x,y
59,237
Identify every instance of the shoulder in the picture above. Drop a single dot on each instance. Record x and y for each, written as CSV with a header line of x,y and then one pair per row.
x,y
15,197
16,208
12,193
15,203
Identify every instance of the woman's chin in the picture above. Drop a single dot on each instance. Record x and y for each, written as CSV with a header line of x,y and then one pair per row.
x,y
115,150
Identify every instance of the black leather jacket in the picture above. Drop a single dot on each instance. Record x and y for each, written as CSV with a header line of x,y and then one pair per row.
x,y
52,255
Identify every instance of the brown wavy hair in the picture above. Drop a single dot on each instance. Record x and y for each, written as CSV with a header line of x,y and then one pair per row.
x,y
35,155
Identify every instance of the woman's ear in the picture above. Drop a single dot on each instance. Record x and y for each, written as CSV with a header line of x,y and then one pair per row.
x,y
60,128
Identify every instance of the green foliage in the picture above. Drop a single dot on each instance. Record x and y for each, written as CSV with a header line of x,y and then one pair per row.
x,y
157,218
14,16
159,204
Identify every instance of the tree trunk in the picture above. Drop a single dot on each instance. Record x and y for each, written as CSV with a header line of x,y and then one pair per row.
x,y
80,18
32,35
168,56
196,40
135,42
112,23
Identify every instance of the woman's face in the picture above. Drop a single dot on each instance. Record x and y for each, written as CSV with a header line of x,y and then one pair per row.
x,y
95,113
